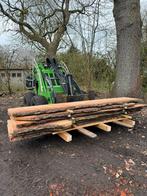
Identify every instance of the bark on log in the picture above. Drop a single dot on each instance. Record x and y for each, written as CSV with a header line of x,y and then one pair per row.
x,y
76,112
65,124
43,109
85,116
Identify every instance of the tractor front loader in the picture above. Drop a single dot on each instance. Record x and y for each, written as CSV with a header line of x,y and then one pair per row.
x,y
51,82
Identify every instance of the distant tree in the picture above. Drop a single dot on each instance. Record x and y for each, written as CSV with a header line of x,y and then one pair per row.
x,y
7,62
128,26
144,27
43,22
87,28
144,51
73,49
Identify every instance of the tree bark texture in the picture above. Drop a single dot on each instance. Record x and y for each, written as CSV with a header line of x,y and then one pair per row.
x,y
128,27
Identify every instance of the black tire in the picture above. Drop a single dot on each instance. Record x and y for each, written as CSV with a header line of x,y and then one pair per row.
x,y
27,98
91,95
38,100
74,98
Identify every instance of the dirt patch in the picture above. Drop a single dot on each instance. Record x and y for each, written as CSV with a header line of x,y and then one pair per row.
x,y
112,164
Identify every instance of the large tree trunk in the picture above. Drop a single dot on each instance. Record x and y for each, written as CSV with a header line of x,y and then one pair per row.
x,y
128,27
51,51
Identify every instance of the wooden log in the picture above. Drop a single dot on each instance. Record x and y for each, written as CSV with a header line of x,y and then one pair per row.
x,y
77,120
21,124
28,135
74,113
86,132
81,120
41,130
65,136
31,134
107,120
59,125
37,133
104,127
59,118
63,127
39,117
31,110
90,116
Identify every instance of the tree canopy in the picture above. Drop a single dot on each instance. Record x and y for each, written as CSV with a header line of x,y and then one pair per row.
x,y
43,22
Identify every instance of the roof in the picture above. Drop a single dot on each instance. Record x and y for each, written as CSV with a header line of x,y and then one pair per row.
x,y
15,69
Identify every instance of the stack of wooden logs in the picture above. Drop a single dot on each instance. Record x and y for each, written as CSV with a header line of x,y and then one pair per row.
x,y
34,121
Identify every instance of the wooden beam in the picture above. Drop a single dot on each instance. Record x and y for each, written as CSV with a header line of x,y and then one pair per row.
x,y
127,116
129,121
104,127
87,132
126,123
65,136
91,124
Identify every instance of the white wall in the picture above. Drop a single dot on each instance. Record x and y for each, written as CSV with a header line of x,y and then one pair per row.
x,y
17,79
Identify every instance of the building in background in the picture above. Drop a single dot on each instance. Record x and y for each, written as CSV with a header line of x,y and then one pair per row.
x,y
15,76
15,65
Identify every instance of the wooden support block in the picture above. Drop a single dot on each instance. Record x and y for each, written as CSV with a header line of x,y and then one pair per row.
x,y
129,121
91,124
65,136
104,127
126,123
87,132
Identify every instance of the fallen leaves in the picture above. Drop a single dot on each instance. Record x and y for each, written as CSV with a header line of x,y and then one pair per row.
x,y
114,173
144,152
56,189
129,164
118,173
123,193
143,136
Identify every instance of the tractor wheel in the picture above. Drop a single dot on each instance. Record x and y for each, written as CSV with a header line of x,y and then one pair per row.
x,y
91,95
27,98
38,100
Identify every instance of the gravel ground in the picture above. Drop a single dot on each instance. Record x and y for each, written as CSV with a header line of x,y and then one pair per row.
x,y
114,163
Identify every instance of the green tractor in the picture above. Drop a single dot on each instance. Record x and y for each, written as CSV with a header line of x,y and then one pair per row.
x,y
51,82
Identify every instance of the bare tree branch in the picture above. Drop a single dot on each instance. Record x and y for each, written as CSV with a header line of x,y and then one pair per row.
x,y
44,22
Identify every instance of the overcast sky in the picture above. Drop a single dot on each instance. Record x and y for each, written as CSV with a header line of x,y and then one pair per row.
x,y
6,38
